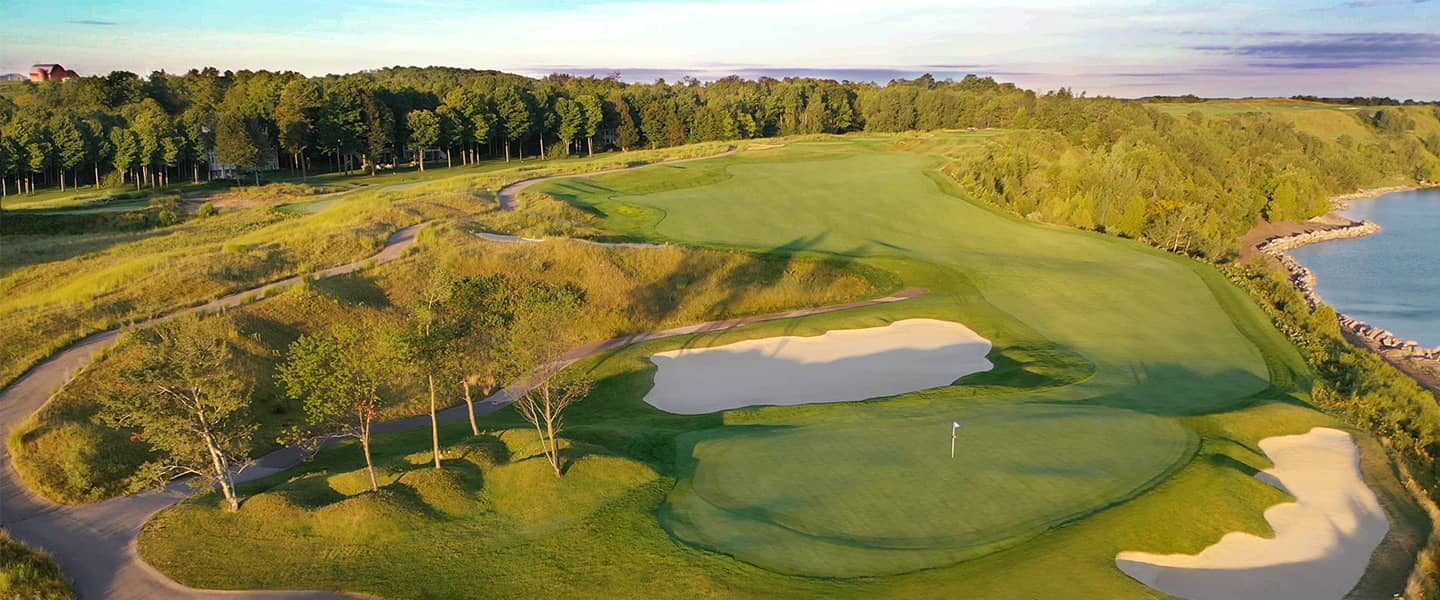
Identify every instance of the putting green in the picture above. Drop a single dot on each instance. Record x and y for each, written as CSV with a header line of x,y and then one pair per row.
x,y
861,489
884,497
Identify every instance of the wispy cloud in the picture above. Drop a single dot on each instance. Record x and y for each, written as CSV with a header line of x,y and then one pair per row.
x,y
96,22
1337,50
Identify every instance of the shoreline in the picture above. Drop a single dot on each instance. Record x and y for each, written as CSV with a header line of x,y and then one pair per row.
x,y
1342,201
1419,362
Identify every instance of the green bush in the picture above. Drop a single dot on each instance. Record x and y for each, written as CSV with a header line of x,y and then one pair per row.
x,y
74,461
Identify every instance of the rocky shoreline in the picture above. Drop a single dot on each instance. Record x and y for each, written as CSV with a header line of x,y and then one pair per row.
x,y
1386,343
1342,201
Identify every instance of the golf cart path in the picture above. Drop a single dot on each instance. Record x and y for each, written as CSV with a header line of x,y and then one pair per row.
x,y
95,544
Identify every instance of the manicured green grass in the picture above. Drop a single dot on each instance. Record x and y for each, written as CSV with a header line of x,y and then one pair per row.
x,y
1130,392
884,496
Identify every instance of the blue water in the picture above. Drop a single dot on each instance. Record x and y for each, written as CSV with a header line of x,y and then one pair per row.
x,y
1391,279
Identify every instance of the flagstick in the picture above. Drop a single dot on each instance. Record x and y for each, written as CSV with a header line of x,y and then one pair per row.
x,y
954,426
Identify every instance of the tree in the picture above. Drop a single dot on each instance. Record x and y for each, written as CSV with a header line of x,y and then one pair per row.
x,y
652,123
343,378
70,147
235,144
515,117
126,150
342,119
97,146
151,126
534,354
424,131
572,121
296,117
38,150
429,342
379,122
199,139
627,133
594,115
173,149
7,159
183,398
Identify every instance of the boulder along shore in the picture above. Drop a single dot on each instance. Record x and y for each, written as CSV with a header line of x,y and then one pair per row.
x,y
1408,355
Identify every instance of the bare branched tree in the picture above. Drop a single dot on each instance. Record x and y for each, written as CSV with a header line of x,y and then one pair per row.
x,y
185,400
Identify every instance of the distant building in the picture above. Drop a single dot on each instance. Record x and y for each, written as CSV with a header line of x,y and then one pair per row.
x,y
13,77
50,72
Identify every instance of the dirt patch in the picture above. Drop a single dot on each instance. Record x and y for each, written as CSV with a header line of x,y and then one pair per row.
x,y
1264,231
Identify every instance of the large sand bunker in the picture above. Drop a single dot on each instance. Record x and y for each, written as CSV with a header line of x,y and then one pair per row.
x,y
838,366
1322,542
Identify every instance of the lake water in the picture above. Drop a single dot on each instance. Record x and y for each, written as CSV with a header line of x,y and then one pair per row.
x,y
1391,279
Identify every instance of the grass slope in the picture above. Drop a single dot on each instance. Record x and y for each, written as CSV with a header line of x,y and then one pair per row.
x,y
1328,121
29,575
55,289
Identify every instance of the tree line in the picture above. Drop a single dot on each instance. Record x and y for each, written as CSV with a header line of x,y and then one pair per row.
x,y
122,128
1192,184
1186,183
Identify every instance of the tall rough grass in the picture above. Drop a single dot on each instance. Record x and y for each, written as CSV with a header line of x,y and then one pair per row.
x,y
68,456
29,575
55,289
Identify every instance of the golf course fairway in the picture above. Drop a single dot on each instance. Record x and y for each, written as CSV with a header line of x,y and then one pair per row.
x,y
869,489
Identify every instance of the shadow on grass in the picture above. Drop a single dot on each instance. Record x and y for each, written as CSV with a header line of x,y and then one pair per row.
x,y
354,290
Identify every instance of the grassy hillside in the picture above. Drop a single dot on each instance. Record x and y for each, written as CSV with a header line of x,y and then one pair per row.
x,y
57,288
29,575
68,456
1328,121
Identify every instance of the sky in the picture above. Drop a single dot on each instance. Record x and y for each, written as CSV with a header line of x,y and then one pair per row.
x,y
1112,47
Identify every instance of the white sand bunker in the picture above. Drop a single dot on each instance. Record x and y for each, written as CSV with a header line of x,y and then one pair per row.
x,y
1322,542
838,366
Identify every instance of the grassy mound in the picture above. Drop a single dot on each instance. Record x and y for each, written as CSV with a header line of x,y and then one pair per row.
x,y
421,535
29,575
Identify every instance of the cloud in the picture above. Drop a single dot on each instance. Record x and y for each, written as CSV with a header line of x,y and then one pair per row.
x,y
1336,50
92,22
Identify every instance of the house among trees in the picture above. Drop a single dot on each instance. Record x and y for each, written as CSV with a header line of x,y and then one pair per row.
x,y
269,160
50,72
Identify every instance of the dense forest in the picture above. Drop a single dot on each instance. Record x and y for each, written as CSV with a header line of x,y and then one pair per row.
x,y
1191,183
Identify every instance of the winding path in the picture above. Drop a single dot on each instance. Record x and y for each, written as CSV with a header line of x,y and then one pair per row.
x,y
95,544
